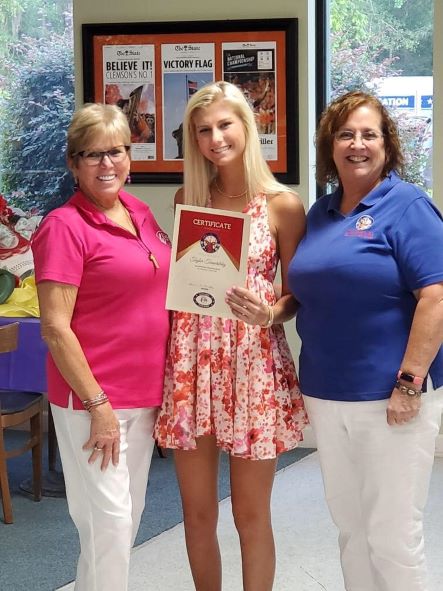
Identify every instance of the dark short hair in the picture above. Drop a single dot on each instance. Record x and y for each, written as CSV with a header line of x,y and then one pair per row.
x,y
335,115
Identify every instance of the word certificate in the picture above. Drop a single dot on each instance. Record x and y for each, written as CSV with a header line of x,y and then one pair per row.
x,y
209,255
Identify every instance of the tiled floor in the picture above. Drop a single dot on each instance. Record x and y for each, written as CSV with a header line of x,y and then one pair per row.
x,y
307,556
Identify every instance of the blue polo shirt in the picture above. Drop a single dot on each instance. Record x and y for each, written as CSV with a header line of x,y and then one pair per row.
x,y
353,276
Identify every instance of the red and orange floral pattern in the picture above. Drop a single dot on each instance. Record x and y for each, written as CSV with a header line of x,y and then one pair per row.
x,y
230,379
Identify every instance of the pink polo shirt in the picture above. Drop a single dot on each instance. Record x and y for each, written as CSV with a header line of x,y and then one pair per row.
x,y
119,316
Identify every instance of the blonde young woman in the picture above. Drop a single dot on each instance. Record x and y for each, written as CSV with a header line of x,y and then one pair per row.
x,y
231,385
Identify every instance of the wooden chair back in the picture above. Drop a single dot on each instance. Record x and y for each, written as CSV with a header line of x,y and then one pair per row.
x,y
17,408
9,337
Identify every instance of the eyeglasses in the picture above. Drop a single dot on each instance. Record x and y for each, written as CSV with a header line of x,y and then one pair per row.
x,y
350,136
116,155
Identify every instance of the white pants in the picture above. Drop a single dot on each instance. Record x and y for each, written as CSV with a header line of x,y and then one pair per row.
x,y
106,506
376,480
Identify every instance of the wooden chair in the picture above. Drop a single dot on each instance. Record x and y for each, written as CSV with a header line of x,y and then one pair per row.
x,y
17,408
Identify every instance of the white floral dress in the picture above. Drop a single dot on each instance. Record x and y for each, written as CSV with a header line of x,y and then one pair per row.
x,y
230,379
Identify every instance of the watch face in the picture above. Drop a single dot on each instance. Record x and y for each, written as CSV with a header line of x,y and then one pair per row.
x,y
407,377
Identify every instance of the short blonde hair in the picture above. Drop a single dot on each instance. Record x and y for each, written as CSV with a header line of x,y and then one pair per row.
x,y
200,172
96,119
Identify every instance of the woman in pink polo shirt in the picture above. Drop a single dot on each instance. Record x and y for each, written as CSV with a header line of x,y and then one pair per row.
x,y
101,266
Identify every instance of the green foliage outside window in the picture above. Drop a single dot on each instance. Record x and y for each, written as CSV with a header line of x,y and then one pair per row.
x,y
36,102
370,40
399,29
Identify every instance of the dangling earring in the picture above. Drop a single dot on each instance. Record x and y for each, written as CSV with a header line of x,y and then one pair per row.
x,y
128,179
76,187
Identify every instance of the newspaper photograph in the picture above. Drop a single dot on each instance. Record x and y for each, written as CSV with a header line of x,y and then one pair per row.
x,y
185,69
251,66
128,82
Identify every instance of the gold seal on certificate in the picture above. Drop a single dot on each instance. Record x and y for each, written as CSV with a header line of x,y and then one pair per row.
x,y
209,255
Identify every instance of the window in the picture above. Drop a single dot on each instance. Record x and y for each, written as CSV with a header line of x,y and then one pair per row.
x,y
36,101
384,47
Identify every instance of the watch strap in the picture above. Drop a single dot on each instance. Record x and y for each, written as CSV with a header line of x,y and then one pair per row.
x,y
409,377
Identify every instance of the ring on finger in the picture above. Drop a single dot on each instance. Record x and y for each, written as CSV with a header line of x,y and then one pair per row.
x,y
96,448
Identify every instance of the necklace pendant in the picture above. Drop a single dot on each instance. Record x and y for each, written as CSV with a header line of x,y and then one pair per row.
x,y
154,261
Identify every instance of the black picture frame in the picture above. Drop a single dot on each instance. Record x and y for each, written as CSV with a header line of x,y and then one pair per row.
x,y
284,32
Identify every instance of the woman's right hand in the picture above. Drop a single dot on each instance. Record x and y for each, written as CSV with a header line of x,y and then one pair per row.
x,y
104,438
402,408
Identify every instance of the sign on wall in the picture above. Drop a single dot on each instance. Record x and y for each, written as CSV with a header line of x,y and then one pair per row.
x,y
150,70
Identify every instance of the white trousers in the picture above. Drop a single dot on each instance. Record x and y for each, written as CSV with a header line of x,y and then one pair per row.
x,y
106,506
376,481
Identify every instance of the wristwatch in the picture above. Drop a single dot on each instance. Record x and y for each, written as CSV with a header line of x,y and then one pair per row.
x,y
409,377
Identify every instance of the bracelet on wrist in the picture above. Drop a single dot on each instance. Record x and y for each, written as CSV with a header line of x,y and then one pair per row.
x,y
100,398
407,390
270,320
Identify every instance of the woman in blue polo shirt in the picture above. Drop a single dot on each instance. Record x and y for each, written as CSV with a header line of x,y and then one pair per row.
x,y
369,280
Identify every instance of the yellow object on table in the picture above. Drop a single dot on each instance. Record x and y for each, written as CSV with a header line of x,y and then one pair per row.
x,y
23,301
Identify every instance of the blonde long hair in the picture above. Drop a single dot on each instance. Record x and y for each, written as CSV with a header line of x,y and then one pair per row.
x,y
200,172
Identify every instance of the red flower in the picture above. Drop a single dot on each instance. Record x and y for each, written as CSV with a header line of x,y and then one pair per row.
x,y
184,377
254,435
5,211
182,395
279,447
205,357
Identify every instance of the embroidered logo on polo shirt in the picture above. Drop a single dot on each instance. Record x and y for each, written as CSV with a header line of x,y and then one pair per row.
x,y
163,237
364,222
360,234
362,226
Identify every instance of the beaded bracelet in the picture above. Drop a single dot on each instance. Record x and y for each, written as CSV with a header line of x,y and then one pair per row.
x,y
270,321
100,398
407,390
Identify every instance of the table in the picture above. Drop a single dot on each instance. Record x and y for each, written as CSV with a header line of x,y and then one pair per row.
x,y
25,369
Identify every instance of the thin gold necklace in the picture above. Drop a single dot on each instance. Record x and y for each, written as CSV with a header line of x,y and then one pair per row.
x,y
225,194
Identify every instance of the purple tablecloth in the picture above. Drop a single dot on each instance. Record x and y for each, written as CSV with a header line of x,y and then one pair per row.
x,y
25,368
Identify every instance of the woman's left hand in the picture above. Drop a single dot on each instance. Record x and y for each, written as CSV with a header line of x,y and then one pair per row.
x,y
246,306
104,437
402,408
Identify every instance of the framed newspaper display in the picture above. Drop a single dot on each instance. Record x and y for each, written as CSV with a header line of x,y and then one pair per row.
x,y
150,70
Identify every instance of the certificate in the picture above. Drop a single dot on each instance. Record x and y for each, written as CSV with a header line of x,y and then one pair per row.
x,y
209,255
